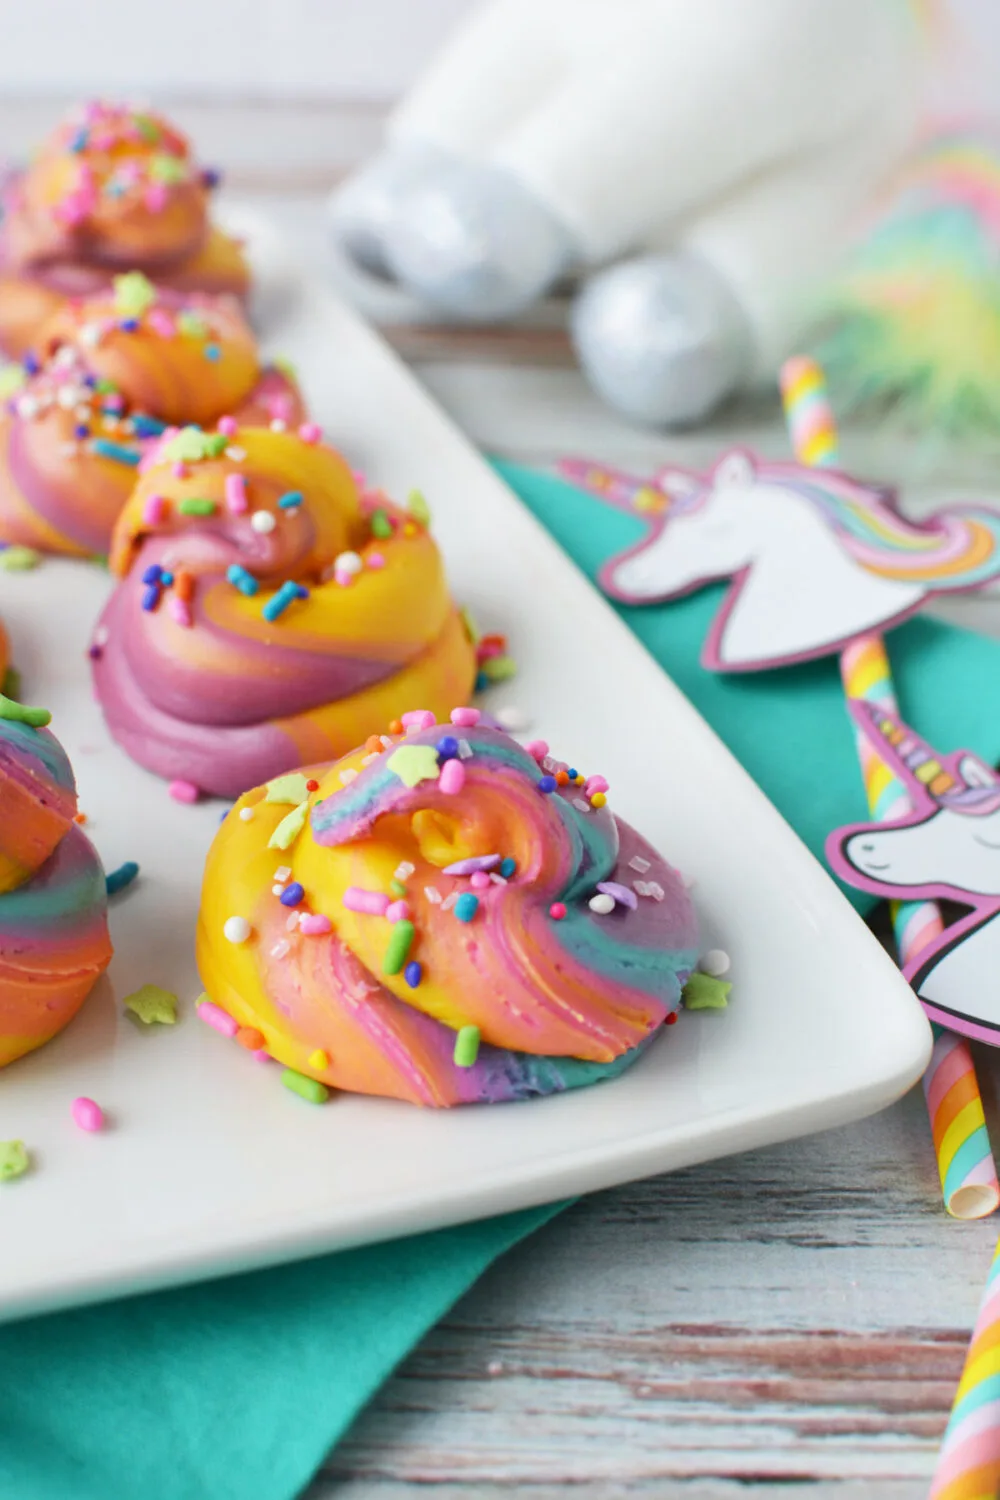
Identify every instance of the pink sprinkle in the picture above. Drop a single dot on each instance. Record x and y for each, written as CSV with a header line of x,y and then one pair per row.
x,y
227,426
452,778
309,432
184,791
220,1020
179,470
315,923
594,784
557,911
374,903
479,881
161,322
280,405
154,510
156,197
180,611
87,1114
375,560
399,911
344,580
537,749
261,1055
466,717
236,489
418,718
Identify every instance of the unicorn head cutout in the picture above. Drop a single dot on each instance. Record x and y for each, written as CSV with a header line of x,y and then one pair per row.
x,y
816,558
946,847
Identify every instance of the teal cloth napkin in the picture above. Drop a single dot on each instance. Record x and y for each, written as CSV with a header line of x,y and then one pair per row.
x,y
236,1389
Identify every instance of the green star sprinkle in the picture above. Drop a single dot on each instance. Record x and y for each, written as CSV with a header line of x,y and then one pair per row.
x,y
291,789
37,718
12,378
289,828
147,128
381,525
704,992
13,1160
413,763
11,685
18,559
169,169
152,1005
191,444
418,507
134,293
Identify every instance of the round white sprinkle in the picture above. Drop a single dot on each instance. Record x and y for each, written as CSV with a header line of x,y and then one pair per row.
x,y
27,408
246,814
715,962
67,397
278,425
263,521
602,903
236,929
347,562
101,635
90,335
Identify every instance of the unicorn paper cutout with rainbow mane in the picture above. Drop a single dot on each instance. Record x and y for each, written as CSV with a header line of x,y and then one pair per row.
x,y
816,558
947,848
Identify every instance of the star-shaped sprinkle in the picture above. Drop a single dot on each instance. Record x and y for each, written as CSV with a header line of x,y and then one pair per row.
x,y
191,444
13,1160
134,294
292,789
414,763
289,828
152,1005
168,169
704,992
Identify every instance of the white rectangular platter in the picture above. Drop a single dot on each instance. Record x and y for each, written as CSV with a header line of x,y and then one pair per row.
x,y
209,1165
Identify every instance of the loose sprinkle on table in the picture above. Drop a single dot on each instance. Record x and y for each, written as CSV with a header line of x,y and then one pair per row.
x,y
118,880
86,1114
213,1015
184,791
307,1088
14,1160
705,992
152,1005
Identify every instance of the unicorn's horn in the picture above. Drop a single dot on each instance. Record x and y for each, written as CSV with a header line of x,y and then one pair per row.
x,y
899,746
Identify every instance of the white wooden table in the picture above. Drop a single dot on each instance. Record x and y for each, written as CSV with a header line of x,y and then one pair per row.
x,y
786,1324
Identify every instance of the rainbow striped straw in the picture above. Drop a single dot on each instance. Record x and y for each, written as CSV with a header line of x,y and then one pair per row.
x,y
968,1466
958,1125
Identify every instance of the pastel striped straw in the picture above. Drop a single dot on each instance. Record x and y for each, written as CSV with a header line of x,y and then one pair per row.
x,y
968,1466
958,1125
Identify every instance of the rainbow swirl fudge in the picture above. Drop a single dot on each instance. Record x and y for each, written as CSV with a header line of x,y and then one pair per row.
x,y
112,189
446,919
112,372
54,942
268,613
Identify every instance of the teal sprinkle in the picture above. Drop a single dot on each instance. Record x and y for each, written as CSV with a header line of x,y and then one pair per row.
x,y
120,455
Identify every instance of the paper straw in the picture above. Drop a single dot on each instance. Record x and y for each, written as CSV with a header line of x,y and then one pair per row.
x,y
968,1174
968,1465
958,1126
